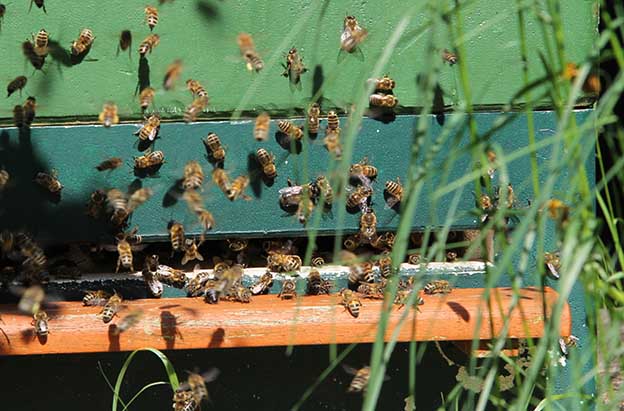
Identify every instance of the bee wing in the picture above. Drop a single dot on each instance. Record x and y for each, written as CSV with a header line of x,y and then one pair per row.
x,y
553,270
258,288
348,369
211,374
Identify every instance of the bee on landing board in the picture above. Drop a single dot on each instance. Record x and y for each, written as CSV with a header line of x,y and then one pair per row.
x,y
196,89
358,197
291,130
150,128
437,287
395,192
267,162
111,308
314,118
383,100
350,302
289,290
368,225
221,179
253,61
214,146
152,159
193,110
263,285
191,251
109,116
40,43
40,322
283,262
316,285
237,189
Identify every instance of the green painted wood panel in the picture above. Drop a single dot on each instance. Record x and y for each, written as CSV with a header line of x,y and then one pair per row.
x,y
202,33
75,150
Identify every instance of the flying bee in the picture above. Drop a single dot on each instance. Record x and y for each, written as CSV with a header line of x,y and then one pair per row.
x,y
193,200
196,89
118,202
220,265
283,262
304,209
206,220
437,287
28,49
146,97
151,16
383,100
385,84
368,225
49,181
170,276
18,116
249,53
31,299
359,197
4,179
139,197
261,127
149,44
129,321
290,129
2,11
193,176
567,342
289,290
267,162
352,242
111,308
83,43
325,189
40,43
191,251
125,41
316,284
213,144
221,179
553,263
558,210
95,298
395,192
153,159
314,118
361,272
124,249
294,68
183,400
95,206
18,83
263,285
196,384
176,236
229,278
332,143
385,265
350,302
193,110
40,322
237,188
109,116
449,57
39,3
150,128
352,34
109,164
374,291
173,74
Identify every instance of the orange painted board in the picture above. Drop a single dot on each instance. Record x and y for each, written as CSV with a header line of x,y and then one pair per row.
x,y
190,323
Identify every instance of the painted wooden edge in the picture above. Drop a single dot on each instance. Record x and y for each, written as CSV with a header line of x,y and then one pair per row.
x,y
190,323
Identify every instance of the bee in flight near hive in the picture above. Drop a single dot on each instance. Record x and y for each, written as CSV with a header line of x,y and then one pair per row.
x,y
146,98
267,162
316,284
359,197
394,189
129,321
249,53
314,118
176,236
95,205
449,57
352,34
139,197
221,179
153,159
39,3
294,68
383,100
237,188
83,44
183,400
361,272
229,278
195,386
214,146
437,287
118,203
151,16
350,302
18,83
291,130
148,44
32,297
49,181
150,128
125,251
261,127
95,298
191,251
40,43
125,41
263,285
109,116
172,75
40,322
111,308
360,378
553,263
193,110
28,49
193,176
289,290
109,164
283,262
196,89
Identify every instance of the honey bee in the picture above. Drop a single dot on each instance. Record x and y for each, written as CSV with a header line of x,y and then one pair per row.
x,y
294,68
368,225
4,179
567,342
49,181
359,197
40,322
176,236
95,298
395,192
383,100
333,121
283,262
237,245
39,3
325,190
451,257
191,251
261,127
125,252
183,400
317,261
385,84
289,290
109,116
150,128
28,49
196,384
195,286
267,162
118,202
263,285
153,159
31,299
240,294
109,164
83,43
173,74
18,83
213,144
18,116
491,156
221,179
316,284
237,188
414,258
437,287
352,242
249,53
291,196
220,265
558,210
385,265
361,272
403,296
29,111
374,291
111,308
95,206
352,34
193,176
194,109
170,276
229,278
40,43
304,209
206,220
139,197
332,143
154,286
449,57
350,302
146,97
149,44
290,129
129,321
314,120
151,16
553,263
196,89
125,41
